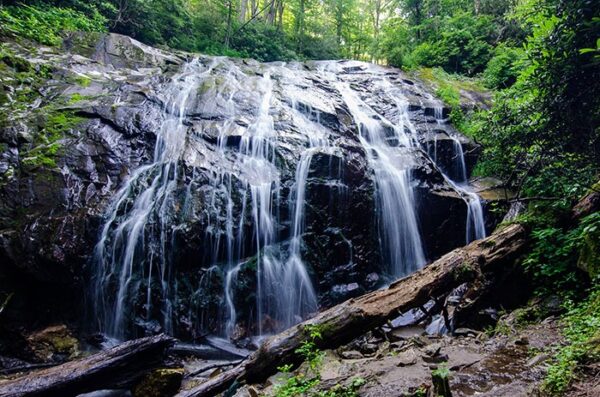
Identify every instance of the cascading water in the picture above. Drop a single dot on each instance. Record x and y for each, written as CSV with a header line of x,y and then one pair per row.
x,y
475,224
295,272
399,228
231,315
245,192
121,264
285,294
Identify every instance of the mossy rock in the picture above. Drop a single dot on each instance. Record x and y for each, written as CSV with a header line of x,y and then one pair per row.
x,y
55,343
589,256
83,43
464,273
164,382
19,64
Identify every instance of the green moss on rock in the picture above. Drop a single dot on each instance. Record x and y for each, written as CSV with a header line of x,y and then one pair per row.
x,y
589,254
52,341
159,383
47,145
589,257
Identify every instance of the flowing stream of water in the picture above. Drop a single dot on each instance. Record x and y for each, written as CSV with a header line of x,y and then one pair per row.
x,y
475,223
401,239
145,196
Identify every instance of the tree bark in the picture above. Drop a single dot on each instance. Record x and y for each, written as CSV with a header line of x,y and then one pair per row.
x,y
243,11
342,323
115,368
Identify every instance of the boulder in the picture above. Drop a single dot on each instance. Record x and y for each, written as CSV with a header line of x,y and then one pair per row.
x,y
53,344
164,382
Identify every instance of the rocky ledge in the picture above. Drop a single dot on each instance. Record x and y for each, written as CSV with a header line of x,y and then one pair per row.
x,y
78,121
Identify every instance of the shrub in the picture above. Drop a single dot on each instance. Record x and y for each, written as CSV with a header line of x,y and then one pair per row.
x,y
503,69
581,325
47,24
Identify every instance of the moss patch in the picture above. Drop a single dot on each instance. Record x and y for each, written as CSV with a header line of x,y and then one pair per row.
x,y
589,255
160,383
46,146
20,83
47,343
449,83
83,81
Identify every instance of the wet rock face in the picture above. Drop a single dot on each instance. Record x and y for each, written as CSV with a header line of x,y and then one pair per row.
x,y
95,120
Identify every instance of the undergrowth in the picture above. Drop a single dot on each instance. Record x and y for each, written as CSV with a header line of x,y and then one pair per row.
x,y
582,332
306,382
46,24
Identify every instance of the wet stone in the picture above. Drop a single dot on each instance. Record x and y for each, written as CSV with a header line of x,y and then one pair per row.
x,y
351,355
407,358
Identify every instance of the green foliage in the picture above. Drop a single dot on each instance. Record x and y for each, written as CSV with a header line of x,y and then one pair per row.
x,y
450,34
502,69
542,133
47,24
298,385
306,383
552,260
581,325
442,372
262,42
461,47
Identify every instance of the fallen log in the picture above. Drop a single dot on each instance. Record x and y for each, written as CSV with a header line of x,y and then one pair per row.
x,y
342,323
116,368
207,352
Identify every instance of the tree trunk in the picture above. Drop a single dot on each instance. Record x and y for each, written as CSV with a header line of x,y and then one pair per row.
x,y
272,12
344,322
280,11
299,27
229,23
115,368
254,8
243,11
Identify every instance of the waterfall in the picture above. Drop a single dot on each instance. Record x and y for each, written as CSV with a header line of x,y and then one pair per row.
x,y
119,258
253,135
475,223
285,294
230,280
401,241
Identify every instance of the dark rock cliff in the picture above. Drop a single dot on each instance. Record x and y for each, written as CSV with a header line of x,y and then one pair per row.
x,y
80,120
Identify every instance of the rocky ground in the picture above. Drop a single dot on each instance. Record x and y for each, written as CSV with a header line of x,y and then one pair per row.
x,y
510,360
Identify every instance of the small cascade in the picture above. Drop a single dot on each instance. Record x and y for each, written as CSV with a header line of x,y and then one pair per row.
x,y
231,315
475,224
284,294
123,260
400,236
303,300
206,283
258,146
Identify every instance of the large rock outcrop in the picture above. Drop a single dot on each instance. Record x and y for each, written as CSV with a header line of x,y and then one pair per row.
x,y
82,119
